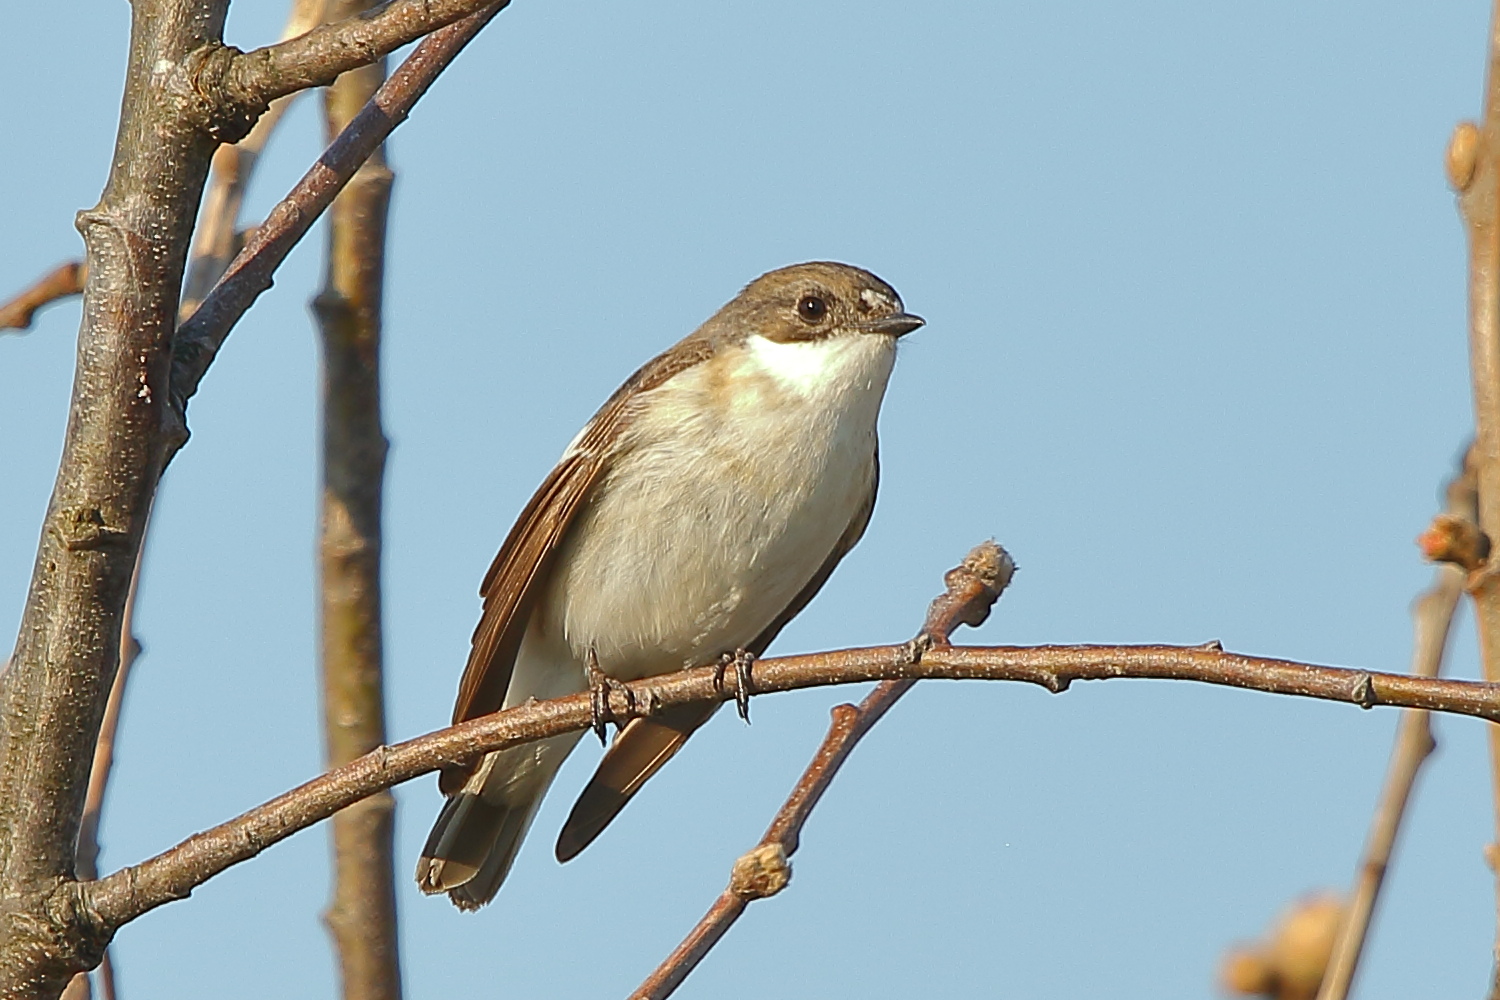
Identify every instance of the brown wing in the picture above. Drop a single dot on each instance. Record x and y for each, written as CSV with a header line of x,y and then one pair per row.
x,y
645,744
516,578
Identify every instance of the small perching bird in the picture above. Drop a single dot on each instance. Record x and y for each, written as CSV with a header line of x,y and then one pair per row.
x,y
695,515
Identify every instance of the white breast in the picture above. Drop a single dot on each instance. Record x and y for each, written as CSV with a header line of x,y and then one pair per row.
x,y
734,483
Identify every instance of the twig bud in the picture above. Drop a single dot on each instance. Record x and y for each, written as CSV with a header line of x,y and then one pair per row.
x,y
1463,155
763,871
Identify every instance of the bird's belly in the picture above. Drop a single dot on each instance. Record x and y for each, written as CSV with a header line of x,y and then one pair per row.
x,y
699,540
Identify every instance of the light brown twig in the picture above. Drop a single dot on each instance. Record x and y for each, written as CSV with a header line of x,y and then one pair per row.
x,y
361,914
1432,618
1474,166
972,589
59,283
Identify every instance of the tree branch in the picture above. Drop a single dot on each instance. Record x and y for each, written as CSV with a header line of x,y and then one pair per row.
x,y
199,339
59,283
972,589
128,893
362,913
53,696
1474,167
1432,618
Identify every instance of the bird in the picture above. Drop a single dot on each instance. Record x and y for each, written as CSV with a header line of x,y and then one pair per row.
x,y
699,510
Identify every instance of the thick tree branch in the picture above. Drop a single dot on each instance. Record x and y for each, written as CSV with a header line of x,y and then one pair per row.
x,y
1474,167
172,875
59,283
53,696
200,338
1432,619
362,913
972,589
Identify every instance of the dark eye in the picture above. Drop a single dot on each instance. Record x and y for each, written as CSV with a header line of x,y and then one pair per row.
x,y
812,308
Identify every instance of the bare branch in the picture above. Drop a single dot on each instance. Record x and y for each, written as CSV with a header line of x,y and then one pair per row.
x,y
1474,166
972,589
53,696
128,893
1432,617
362,913
59,283
200,338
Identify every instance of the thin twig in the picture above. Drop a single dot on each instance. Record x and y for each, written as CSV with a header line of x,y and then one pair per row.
x,y
1432,618
972,589
361,914
59,283
200,338
173,874
1474,167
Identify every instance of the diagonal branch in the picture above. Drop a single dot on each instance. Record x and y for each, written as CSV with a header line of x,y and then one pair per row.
x,y
126,894
972,589
1432,618
199,339
218,238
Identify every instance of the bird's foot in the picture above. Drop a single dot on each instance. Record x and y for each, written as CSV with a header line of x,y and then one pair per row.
x,y
744,687
600,688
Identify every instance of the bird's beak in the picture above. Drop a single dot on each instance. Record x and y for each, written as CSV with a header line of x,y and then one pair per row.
x,y
898,325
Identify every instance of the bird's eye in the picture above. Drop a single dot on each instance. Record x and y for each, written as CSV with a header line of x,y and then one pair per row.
x,y
812,308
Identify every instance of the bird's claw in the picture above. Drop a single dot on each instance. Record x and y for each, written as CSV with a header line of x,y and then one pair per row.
x,y
600,688
744,687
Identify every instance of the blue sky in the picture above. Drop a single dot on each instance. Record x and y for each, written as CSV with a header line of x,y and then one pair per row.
x,y
1195,354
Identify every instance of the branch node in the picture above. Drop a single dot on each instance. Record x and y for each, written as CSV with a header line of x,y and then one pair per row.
x,y
912,650
84,528
1056,683
1211,646
207,86
1363,692
763,871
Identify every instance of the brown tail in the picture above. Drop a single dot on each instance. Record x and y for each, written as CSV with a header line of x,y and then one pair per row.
x,y
642,747
479,832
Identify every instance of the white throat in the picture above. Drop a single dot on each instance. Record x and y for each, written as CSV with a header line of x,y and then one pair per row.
x,y
820,367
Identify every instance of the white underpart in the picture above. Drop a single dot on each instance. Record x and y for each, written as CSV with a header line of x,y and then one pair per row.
x,y
730,488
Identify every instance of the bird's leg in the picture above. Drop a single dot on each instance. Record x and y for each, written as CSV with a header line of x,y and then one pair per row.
x,y
741,660
600,687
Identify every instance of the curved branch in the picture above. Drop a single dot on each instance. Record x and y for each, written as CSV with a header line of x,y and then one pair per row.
x,y
173,874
